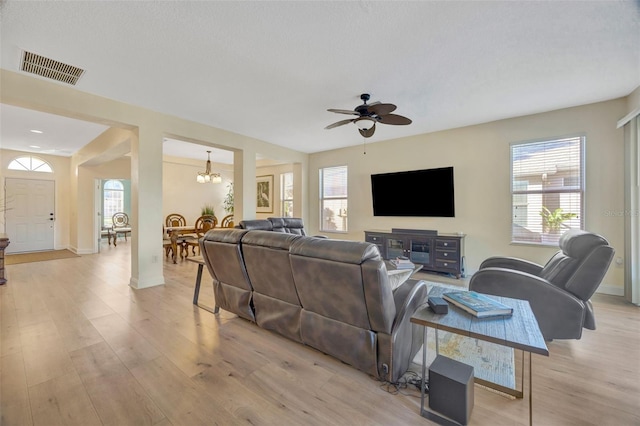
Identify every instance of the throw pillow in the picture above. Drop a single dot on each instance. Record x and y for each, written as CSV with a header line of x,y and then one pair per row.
x,y
398,276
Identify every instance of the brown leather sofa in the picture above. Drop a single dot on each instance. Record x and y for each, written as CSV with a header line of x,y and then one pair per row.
x,y
332,295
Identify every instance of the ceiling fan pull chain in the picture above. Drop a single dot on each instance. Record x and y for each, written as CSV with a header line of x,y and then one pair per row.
x,y
364,145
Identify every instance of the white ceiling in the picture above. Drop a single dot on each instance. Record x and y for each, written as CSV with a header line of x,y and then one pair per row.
x,y
270,70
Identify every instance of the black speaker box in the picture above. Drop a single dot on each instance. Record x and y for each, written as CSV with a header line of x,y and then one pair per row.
x,y
451,389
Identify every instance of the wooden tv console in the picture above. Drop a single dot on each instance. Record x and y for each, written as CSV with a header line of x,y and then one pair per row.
x,y
436,252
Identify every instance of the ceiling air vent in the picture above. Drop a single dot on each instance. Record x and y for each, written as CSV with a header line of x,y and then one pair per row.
x,y
50,68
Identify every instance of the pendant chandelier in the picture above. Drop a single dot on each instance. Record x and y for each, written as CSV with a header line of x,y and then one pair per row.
x,y
207,176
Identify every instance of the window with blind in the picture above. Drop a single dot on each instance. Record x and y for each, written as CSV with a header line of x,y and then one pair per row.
x,y
286,194
547,189
333,199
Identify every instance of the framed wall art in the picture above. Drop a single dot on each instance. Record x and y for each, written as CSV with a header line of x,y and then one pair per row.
x,y
264,194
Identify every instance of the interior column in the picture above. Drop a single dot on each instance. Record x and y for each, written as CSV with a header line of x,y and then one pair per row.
x,y
146,208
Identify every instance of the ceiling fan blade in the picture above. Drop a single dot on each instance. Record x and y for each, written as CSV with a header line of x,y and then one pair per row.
x,y
395,119
382,109
343,111
368,133
340,123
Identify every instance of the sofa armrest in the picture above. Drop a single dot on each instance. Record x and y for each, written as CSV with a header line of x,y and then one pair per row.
x,y
560,314
406,338
512,263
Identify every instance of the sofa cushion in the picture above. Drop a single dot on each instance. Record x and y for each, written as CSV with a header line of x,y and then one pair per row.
x,y
343,280
277,224
294,225
266,256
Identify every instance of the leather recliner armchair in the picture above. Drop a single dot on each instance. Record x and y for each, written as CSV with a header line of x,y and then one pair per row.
x,y
559,291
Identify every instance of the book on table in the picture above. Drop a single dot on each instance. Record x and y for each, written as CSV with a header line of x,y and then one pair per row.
x,y
477,304
402,263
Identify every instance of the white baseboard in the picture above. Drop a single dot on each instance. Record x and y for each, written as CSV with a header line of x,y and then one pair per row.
x,y
610,290
135,283
80,252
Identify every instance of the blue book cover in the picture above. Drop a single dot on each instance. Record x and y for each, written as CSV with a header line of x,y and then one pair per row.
x,y
477,304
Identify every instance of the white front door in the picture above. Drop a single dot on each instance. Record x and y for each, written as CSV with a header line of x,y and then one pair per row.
x,y
30,214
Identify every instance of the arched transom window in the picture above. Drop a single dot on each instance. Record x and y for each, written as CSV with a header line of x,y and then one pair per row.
x,y
30,164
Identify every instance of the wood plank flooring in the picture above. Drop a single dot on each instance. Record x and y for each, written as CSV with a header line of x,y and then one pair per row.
x,y
80,347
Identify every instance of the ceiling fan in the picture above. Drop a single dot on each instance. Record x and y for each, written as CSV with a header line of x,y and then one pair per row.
x,y
368,115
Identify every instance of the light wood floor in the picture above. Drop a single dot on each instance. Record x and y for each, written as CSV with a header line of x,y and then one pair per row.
x,y
79,346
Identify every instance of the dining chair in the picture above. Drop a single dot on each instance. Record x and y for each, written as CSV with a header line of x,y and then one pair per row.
x,y
203,224
227,221
175,219
120,225
170,244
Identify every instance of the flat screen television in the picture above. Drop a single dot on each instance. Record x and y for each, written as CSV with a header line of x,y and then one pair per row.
x,y
417,193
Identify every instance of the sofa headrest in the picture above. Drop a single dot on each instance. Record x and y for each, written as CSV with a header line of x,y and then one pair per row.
x,y
292,225
355,252
277,224
269,239
261,224
293,222
226,235
577,243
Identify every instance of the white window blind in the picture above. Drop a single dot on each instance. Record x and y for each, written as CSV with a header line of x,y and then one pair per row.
x,y
547,189
333,199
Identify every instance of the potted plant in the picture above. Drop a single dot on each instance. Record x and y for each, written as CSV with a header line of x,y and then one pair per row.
x,y
227,204
552,222
207,210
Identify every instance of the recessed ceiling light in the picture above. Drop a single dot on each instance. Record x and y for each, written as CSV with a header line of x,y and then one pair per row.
x,y
34,146
35,131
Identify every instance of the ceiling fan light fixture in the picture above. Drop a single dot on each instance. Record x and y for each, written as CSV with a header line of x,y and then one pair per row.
x,y
368,115
365,123
207,176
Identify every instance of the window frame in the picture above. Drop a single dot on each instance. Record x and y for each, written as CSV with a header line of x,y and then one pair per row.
x,y
322,199
580,190
107,219
283,199
43,166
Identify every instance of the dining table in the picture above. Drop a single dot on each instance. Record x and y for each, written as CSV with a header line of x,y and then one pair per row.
x,y
177,232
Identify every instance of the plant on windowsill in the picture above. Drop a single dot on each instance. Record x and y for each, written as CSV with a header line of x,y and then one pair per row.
x,y
553,222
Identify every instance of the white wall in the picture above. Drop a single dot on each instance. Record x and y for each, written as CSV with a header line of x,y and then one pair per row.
x,y
480,157
183,195
276,171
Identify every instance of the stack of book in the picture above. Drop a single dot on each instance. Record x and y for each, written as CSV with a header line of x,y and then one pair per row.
x,y
402,263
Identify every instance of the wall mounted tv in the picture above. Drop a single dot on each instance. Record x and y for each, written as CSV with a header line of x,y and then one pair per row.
x,y
417,193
